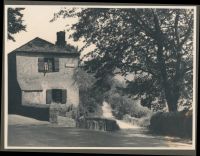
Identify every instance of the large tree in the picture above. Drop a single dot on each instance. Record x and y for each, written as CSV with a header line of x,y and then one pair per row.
x,y
154,44
15,22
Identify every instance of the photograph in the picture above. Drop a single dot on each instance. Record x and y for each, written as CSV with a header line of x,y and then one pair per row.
x,y
100,76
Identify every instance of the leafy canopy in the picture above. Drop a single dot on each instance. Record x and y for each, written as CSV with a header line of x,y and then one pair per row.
x,y
154,44
15,22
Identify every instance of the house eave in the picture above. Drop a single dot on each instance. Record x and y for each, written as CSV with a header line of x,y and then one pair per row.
x,y
47,53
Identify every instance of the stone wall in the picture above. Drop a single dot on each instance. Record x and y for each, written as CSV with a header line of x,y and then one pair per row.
x,y
62,115
97,123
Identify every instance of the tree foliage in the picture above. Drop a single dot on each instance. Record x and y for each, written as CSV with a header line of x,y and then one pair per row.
x,y
123,105
154,44
89,103
15,22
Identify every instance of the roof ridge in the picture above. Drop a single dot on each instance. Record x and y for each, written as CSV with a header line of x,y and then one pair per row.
x,y
33,40
38,44
43,40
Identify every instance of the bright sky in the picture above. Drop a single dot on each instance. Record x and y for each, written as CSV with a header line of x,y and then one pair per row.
x,y
37,20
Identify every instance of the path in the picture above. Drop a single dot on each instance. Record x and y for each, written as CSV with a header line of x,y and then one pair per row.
x,y
107,113
29,132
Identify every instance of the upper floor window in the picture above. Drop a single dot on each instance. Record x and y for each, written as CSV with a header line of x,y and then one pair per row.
x,y
48,64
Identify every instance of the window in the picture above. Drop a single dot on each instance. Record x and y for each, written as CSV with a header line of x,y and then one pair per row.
x,y
56,96
48,65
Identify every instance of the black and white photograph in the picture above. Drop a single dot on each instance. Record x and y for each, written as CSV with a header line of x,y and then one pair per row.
x,y
100,76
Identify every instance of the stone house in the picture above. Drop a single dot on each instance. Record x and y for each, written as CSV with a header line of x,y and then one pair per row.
x,y
41,73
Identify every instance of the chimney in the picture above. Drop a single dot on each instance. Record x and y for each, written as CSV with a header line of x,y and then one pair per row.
x,y
61,39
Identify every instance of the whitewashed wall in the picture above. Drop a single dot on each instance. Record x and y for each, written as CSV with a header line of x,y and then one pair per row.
x,y
30,79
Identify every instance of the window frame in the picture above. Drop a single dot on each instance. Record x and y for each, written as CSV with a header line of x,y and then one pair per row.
x,y
50,99
48,64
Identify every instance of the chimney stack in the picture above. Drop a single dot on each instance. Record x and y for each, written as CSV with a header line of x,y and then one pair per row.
x,y
61,39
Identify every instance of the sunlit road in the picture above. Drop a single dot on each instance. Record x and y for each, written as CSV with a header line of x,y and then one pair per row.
x,y
48,135
23,131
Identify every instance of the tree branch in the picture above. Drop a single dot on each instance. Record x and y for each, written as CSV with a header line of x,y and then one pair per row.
x,y
176,27
187,34
145,27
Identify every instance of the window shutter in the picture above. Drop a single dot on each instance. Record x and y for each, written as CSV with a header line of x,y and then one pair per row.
x,y
56,64
48,96
50,65
40,64
64,96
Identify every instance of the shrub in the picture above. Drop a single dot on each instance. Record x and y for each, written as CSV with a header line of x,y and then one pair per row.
x,y
172,123
141,122
122,105
89,104
56,110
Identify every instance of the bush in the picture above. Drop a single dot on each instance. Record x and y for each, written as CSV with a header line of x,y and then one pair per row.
x,y
89,104
123,105
141,122
172,123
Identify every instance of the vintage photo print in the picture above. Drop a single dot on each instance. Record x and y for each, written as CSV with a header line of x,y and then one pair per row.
x,y
100,77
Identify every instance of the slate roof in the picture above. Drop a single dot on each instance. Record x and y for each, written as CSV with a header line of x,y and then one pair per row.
x,y
41,45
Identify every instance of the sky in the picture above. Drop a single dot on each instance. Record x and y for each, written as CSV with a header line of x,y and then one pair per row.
x,y
37,18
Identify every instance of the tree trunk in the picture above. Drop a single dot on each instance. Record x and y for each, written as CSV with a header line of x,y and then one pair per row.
x,y
172,107
172,97
172,104
171,90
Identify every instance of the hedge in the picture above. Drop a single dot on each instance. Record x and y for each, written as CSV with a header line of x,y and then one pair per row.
x,y
172,123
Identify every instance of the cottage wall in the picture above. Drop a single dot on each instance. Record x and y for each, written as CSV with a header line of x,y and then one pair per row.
x,y
33,97
34,84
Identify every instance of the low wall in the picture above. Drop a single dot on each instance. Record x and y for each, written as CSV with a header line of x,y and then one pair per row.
x,y
62,115
96,123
